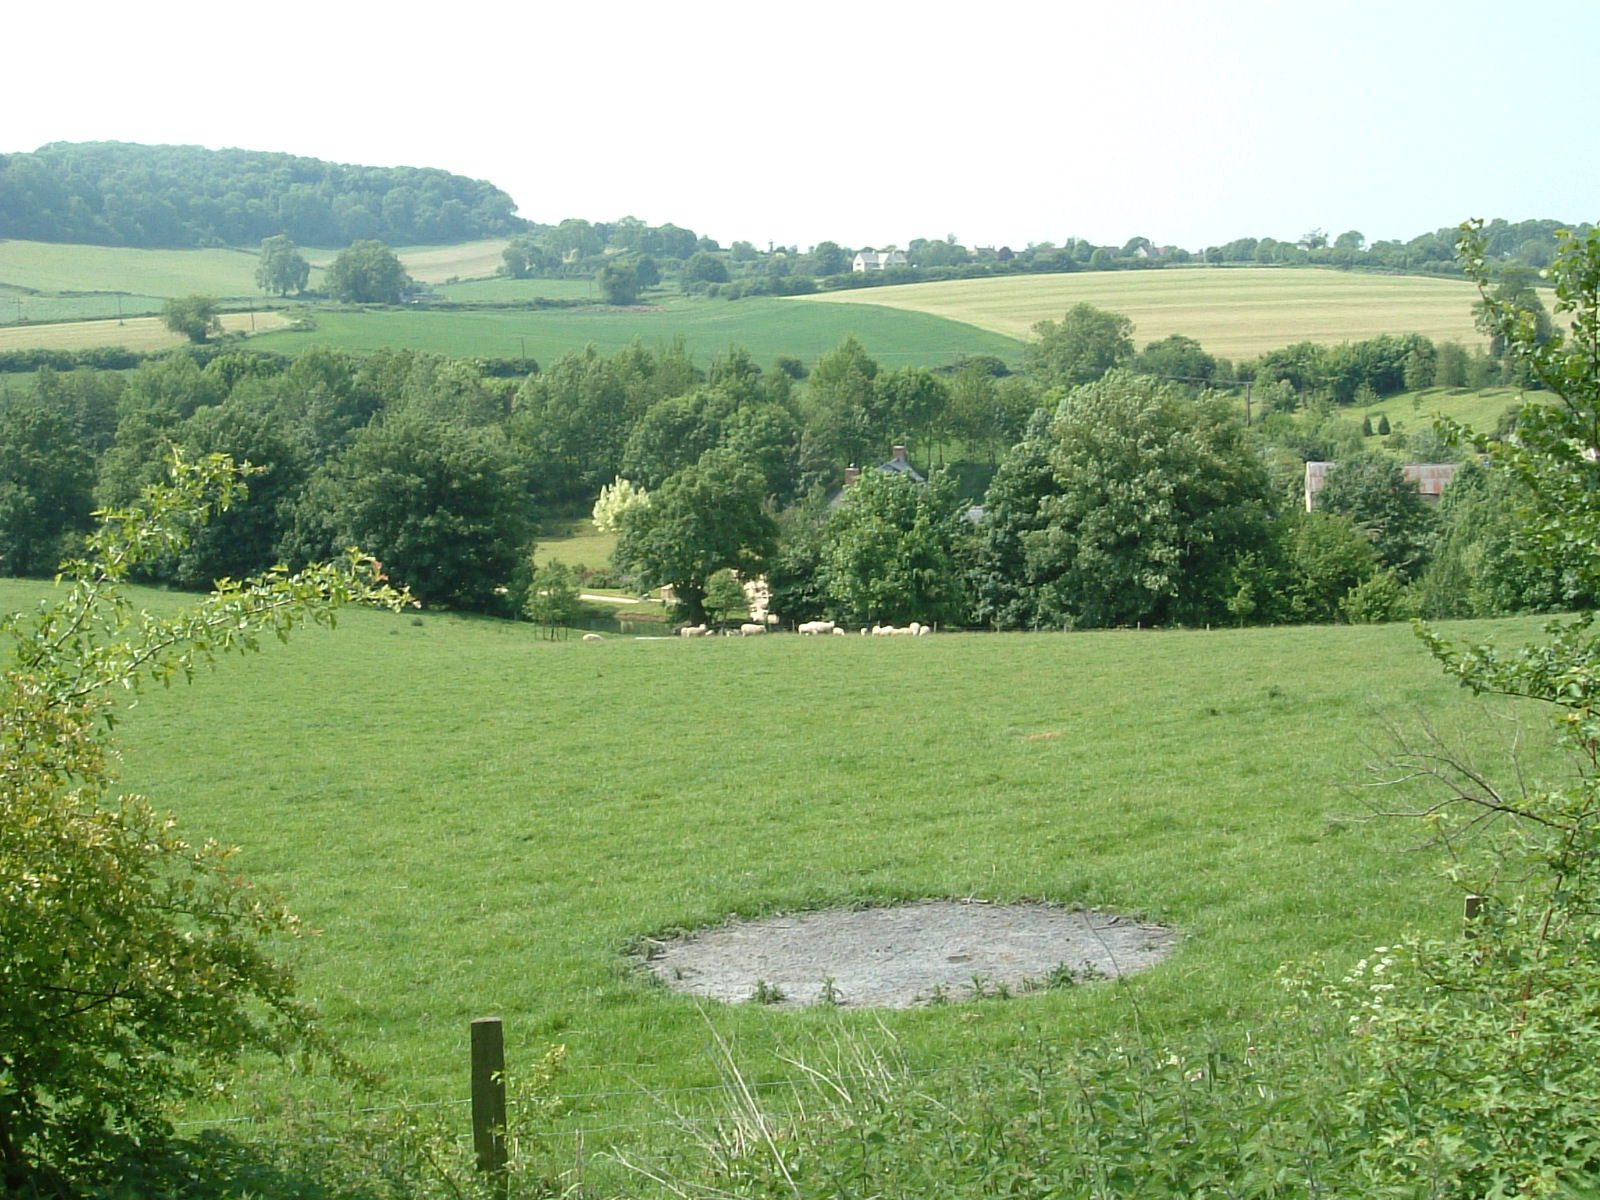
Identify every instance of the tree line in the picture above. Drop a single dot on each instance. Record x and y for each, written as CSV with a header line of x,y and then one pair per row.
x,y
1098,485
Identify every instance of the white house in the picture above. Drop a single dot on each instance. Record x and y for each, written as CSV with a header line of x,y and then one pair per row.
x,y
875,260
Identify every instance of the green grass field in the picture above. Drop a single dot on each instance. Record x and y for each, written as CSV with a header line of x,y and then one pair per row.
x,y
482,822
52,267
1236,313
513,291
765,327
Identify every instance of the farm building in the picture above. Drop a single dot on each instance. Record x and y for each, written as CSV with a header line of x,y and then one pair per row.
x,y
875,260
1430,478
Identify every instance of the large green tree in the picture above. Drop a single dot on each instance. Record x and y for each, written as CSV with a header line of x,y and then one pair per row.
x,y
1079,348
1372,490
282,268
891,553
46,486
367,272
1135,503
444,508
703,518
195,317
134,966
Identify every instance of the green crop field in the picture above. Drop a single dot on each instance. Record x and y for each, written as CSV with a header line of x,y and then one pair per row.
x,y
1236,313
765,327
504,290
51,267
483,822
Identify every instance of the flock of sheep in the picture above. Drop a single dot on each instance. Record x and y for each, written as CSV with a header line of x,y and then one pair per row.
x,y
811,629
807,628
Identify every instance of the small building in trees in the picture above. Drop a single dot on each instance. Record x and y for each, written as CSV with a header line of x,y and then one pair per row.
x,y
878,260
1430,479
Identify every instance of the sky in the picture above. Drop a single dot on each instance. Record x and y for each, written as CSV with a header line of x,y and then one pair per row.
x,y
1189,122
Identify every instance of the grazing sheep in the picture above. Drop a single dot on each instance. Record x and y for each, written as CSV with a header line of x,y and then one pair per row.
x,y
593,637
924,631
749,630
694,631
813,628
837,632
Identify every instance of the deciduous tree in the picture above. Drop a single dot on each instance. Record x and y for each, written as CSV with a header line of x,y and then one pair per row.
x,y
282,268
706,517
367,272
195,317
1079,348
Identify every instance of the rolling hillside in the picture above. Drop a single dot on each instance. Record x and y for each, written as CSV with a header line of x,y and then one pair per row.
x,y
1233,313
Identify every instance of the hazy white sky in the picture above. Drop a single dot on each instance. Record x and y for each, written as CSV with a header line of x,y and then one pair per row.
x,y
1190,122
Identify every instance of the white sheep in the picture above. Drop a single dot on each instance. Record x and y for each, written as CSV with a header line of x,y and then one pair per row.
x,y
837,632
749,630
593,637
694,631
814,628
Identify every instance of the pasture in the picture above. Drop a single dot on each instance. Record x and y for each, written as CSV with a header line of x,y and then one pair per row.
x,y
483,822
765,327
1237,313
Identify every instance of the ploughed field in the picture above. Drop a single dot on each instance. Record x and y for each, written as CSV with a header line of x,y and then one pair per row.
x,y
481,821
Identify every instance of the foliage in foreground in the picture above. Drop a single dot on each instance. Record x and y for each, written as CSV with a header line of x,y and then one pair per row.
x,y
133,965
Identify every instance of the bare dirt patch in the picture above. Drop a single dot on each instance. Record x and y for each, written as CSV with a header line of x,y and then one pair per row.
x,y
906,955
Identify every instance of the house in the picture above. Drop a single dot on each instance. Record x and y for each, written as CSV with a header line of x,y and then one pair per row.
x,y
899,464
874,260
1430,478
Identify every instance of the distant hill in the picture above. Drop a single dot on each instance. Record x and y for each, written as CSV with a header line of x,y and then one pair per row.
x,y
124,194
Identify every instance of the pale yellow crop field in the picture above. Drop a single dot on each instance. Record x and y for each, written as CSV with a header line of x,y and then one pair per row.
x,y
1237,313
435,264
136,333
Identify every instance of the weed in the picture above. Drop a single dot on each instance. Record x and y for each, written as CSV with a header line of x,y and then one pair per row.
x,y
767,993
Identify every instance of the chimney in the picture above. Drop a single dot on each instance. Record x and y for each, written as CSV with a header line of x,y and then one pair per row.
x,y
851,474
899,454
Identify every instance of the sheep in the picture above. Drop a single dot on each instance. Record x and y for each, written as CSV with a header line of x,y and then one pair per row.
x,y
924,631
813,628
749,630
694,630
837,632
593,637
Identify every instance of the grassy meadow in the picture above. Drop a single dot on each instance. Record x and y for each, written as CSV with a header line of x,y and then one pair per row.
x,y
765,327
481,821
1237,313
520,291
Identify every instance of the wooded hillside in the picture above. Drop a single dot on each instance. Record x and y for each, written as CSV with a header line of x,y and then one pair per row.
x,y
122,194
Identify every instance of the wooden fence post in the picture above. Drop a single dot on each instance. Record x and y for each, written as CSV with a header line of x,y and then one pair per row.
x,y
489,1094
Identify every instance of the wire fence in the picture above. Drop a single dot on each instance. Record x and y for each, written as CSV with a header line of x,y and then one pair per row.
x,y
657,1097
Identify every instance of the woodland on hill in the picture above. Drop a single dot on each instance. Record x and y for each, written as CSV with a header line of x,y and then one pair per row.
x,y
123,194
